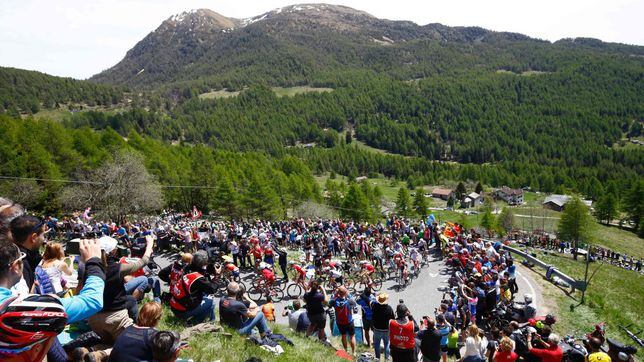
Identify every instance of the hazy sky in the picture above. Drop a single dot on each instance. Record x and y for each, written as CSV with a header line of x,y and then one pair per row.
x,y
79,38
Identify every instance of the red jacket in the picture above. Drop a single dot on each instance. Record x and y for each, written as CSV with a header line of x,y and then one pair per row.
x,y
548,355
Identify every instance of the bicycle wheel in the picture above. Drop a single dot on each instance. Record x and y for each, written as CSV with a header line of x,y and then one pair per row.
x,y
376,285
359,287
255,294
392,273
241,284
277,294
294,291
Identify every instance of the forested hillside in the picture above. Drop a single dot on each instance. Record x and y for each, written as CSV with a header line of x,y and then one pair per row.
x,y
544,128
23,91
235,184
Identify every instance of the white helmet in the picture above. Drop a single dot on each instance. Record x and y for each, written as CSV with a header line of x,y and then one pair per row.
x,y
528,298
263,265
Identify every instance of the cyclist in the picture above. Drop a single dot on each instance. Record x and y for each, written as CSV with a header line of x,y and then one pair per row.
x,y
267,275
422,247
301,272
414,255
366,270
335,274
401,264
229,271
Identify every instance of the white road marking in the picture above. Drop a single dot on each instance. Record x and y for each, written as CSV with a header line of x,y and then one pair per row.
x,y
532,291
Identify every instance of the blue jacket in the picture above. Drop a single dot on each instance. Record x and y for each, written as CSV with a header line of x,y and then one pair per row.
x,y
82,306
90,299
365,303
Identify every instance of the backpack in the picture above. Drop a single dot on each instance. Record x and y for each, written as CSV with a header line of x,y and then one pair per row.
x,y
365,303
44,282
343,313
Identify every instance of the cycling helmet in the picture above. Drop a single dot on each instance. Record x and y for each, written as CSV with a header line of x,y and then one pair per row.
x,y
29,325
292,262
363,262
528,298
263,266
121,231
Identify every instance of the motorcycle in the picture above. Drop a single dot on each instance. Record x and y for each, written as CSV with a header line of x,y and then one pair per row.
x,y
573,350
620,352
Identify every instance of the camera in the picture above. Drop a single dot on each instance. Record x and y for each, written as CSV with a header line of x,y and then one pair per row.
x,y
72,247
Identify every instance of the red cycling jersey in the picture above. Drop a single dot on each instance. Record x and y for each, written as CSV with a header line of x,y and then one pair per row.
x,y
368,267
257,252
268,275
299,269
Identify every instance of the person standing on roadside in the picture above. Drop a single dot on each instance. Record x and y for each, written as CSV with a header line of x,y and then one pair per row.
x,y
402,335
382,314
364,300
430,341
316,299
282,259
343,305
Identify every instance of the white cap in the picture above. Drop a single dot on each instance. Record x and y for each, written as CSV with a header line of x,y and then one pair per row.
x,y
107,243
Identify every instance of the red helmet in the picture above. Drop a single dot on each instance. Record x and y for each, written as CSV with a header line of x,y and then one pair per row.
x,y
29,325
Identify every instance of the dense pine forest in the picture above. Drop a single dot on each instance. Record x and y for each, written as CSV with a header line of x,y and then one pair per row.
x,y
425,104
24,91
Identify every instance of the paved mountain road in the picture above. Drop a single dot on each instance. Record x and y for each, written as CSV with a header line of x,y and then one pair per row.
x,y
421,296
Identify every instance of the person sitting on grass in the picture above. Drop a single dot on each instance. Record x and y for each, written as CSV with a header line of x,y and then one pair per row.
x,y
241,315
135,343
268,309
57,266
191,290
298,320
166,346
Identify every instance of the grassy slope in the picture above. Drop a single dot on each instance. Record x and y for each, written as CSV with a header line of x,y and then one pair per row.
x,y
279,91
218,94
57,115
291,91
213,346
614,296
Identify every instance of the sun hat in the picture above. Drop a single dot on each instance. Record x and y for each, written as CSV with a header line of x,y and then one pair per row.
x,y
382,298
107,243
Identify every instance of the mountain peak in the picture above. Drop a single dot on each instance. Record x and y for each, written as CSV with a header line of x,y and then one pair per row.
x,y
201,18
316,12
202,43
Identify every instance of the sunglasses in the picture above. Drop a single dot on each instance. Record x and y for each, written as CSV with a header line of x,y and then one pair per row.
x,y
22,256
